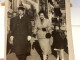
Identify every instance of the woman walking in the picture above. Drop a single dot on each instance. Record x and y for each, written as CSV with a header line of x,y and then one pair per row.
x,y
42,30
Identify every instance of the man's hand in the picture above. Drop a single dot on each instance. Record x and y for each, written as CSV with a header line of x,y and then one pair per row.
x,y
11,40
29,38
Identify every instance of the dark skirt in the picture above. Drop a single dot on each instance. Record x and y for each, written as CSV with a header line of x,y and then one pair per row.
x,y
21,45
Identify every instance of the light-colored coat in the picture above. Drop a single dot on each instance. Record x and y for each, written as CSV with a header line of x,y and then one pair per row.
x,y
41,35
38,28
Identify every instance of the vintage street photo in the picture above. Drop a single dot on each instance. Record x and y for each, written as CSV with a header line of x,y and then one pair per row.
x,y
37,30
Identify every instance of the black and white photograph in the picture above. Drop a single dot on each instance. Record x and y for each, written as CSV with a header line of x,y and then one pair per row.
x,y
37,30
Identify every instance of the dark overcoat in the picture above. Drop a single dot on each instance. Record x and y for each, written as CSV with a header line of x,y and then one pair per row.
x,y
59,39
20,29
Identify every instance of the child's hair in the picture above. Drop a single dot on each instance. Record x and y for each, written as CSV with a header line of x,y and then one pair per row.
x,y
21,8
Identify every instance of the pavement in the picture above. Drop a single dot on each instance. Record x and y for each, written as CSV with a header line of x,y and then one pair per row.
x,y
34,55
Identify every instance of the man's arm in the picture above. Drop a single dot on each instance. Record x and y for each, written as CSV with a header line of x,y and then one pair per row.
x,y
29,31
11,26
11,31
29,28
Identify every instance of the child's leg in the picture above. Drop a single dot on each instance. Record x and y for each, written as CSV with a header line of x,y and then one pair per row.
x,y
62,54
58,54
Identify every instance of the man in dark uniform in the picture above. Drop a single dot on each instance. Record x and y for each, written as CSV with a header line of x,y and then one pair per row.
x,y
21,31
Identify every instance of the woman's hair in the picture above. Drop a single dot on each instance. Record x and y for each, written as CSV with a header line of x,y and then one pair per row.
x,y
42,12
